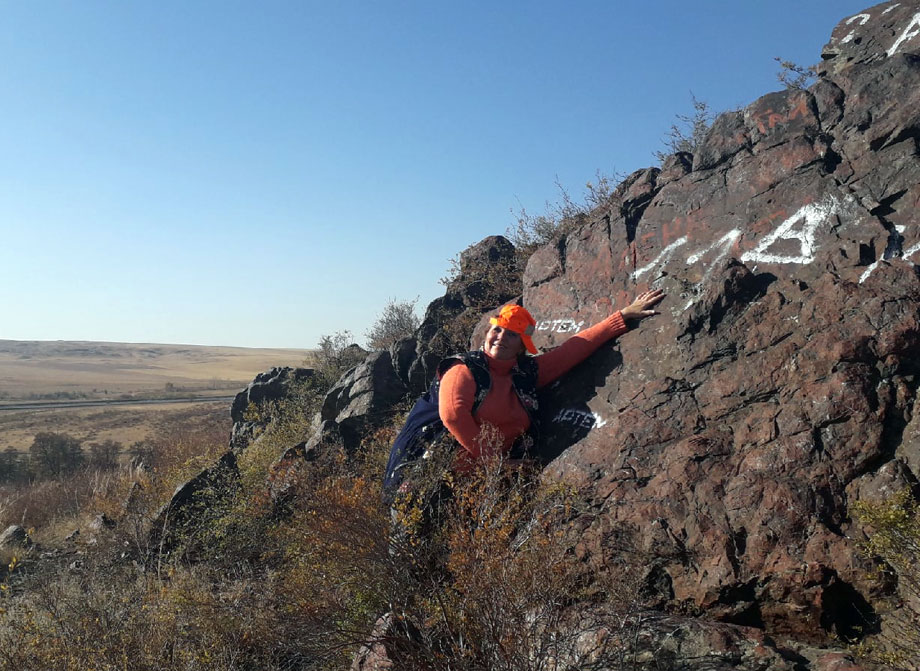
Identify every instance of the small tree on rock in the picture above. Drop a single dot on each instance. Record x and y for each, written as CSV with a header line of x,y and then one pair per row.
x,y
690,131
397,321
795,77
337,353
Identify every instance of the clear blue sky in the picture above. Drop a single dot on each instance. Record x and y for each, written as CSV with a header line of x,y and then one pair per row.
x,y
261,173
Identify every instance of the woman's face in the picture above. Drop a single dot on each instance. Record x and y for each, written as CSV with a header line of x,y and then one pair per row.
x,y
503,344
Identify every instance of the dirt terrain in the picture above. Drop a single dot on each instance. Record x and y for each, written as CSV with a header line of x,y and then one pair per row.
x,y
66,369
54,373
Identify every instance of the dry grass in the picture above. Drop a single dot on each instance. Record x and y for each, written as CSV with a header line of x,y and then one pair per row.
x,y
90,369
31,371
125,424
55,507
491,588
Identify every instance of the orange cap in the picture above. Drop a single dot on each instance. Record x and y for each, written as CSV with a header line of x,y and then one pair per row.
x,y
517,319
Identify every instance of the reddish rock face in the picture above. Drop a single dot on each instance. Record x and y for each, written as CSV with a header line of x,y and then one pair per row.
x,y
733,431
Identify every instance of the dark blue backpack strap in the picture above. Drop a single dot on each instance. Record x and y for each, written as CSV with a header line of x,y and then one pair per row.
x,y
423,425
524,381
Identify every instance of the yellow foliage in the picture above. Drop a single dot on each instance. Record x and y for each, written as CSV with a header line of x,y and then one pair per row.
x,y
893,530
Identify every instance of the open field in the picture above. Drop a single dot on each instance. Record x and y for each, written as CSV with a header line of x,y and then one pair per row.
x,y
32,370
53,373
125,424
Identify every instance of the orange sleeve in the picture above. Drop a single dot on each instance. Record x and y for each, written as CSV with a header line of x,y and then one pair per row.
x,y
455,405
576,349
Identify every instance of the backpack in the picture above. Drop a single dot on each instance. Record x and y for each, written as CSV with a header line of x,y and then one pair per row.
x,y
424,426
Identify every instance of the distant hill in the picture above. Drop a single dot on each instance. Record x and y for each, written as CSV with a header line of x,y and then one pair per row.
x,y
64,370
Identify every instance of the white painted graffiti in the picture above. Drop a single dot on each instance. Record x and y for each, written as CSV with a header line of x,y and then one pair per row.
x,y
802,228
912,30
852,34
901,254
560,325
724,245
811,216
909,33
584,419
662,257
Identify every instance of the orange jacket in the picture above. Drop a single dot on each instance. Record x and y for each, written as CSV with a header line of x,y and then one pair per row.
x,y
501,407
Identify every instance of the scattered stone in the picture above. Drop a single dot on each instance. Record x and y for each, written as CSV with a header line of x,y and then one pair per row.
x,y
14,537
101,522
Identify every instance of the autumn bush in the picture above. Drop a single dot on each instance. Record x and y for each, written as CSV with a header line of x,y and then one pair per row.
x,y
559,217
893,527
492,585
397,320
335,355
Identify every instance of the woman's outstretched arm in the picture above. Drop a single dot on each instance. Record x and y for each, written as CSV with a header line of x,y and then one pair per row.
x,y
580,346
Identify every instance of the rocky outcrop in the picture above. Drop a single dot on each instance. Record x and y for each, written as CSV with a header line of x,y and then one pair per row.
x,y
487,276
362,398
734,430
732,433
273,385
182,522
368,395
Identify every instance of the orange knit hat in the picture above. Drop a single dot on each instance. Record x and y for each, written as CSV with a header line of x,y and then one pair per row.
x,y
517,319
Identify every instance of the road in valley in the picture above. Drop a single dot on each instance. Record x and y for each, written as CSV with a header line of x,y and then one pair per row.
x,y
63,405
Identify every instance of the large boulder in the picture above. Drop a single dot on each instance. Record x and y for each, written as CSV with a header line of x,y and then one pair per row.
x,y
779,383
362,398
272,385
183,523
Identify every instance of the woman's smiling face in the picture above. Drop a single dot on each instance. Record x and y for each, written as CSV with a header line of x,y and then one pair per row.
x,y
503,344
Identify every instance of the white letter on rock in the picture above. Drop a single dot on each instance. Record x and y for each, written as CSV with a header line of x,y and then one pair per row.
x,y
665,254
864,17
725,243
907,35
814,215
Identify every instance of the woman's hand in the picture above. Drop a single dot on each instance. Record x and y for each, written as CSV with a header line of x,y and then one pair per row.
x,y
642,306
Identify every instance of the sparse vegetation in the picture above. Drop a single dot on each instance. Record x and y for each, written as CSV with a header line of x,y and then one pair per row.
x,y
893,528
794,76
532,231
337,353
493,586
397,320
688,133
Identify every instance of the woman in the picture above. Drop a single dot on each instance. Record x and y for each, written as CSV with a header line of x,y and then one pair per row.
x,y
508,405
